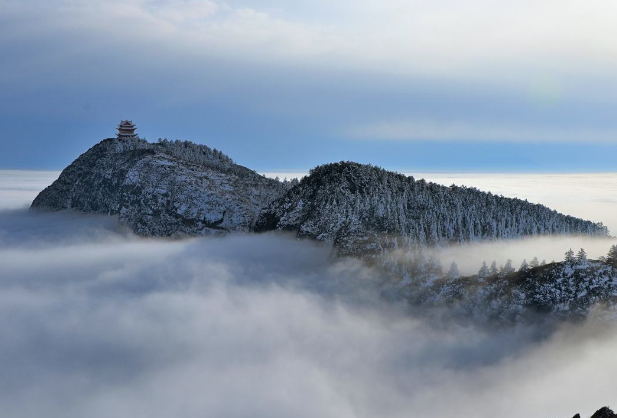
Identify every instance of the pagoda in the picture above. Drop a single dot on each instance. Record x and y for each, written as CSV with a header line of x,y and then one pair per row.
x,y
126,130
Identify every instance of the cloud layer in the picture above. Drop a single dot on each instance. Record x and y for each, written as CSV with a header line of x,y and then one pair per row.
x,y
19,188
419,37
97,322
106,324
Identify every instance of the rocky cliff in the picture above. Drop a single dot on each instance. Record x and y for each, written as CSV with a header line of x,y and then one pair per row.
x,y
162,189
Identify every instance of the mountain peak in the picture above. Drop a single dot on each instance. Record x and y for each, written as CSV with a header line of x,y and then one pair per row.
x,y
162,189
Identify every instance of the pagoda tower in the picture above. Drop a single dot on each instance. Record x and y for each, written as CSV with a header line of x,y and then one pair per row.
x,y
126,130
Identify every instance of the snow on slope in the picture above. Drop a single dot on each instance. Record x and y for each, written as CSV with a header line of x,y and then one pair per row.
x,y
162,189
365,210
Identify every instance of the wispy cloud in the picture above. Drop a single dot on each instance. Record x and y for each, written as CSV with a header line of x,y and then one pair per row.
x,y
305,72
467,131
450,38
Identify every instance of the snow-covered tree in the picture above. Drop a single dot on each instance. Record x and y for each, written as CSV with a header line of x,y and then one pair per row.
x,y
507,269
484,271
534,263
524,266
435,269
570,259
420,266
453,273
494,270
611,257
351,200
581,257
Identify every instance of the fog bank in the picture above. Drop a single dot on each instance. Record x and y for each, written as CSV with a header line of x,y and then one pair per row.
x,y
469,257
19,188
98,323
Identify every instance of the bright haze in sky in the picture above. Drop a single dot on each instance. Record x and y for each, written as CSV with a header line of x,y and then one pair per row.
x,y
525,86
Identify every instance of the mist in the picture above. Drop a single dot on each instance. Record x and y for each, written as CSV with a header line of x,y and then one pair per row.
x,y
18,188
469,257
97,322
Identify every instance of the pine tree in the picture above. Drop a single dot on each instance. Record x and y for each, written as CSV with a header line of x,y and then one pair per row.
x,y
534,263
493,270
453,273
524,266
484,272
435,268
611,258
581,257
420,267
570,259
507,269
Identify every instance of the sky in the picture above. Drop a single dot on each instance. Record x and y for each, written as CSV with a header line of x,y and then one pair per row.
x,y
475,86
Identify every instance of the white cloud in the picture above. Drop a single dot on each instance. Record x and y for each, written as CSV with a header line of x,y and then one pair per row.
x,y
97,322
19,188
183,11
474,39
528,61
105,325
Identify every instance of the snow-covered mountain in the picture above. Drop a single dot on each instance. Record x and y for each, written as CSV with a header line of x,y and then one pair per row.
x,y
174,188
365,210
162,189
177,187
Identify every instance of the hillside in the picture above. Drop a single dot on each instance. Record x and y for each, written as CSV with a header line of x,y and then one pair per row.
x,y
568,290
364,210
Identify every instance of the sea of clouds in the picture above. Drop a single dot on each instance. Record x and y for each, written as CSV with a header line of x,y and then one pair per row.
x,y
97,322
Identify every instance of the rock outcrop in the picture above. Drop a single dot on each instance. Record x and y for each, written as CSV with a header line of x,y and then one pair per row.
x,y
162,189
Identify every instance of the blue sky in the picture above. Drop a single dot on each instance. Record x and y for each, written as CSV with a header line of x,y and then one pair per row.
x,y
279,85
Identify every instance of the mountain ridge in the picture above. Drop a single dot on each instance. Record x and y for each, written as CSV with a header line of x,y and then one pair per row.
x,y
177,188
174,188
364,209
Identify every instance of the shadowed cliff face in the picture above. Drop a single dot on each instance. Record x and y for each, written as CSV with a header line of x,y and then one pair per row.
x,y
163,189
